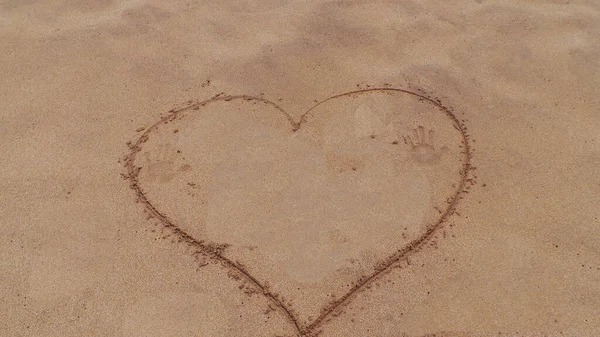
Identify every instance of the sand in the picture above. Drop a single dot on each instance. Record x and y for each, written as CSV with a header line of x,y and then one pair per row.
x,y
294,168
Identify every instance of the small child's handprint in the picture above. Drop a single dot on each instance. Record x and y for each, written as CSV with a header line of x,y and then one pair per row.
x,y
162,167
422,149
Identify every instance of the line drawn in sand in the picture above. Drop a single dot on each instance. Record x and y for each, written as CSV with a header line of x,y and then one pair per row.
x,y
422,150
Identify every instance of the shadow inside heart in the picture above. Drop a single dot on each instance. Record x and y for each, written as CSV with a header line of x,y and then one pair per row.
x,y
308,208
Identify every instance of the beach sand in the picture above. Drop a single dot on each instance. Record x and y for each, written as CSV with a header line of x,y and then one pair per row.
x,y
299,168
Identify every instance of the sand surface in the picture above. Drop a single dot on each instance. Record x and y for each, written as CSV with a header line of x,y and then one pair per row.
x,y
299,168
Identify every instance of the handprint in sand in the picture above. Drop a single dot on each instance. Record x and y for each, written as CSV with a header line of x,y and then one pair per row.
x,y
162,166
422,148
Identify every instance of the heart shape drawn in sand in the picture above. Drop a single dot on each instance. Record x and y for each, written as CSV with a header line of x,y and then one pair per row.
x,y
306,213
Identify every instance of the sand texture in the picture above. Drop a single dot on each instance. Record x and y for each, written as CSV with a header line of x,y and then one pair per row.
x,y
299,168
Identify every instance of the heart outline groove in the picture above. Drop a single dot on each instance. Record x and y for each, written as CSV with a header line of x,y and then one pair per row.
x,y
214,253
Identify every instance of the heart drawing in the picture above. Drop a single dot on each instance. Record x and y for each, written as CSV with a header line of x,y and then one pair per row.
x,y
306,213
